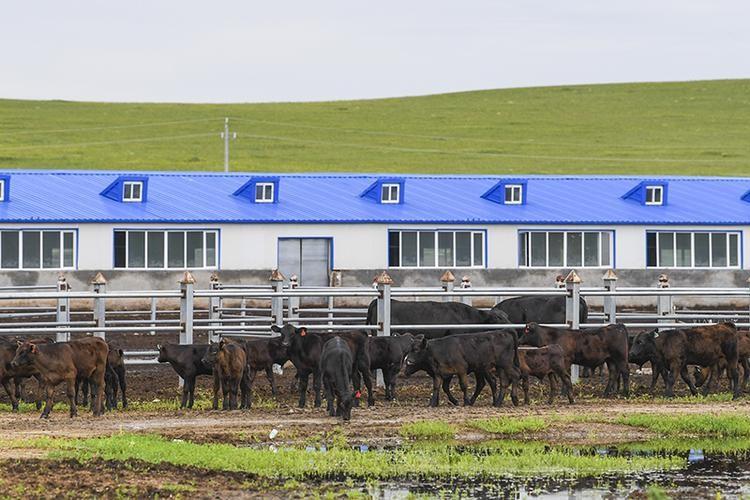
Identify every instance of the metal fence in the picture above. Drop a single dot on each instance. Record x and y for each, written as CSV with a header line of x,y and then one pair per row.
x,y
250,310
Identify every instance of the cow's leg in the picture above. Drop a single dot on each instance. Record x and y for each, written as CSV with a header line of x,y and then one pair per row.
x,y
363,368
745,372
462,382
552,387
447,390
226,387
185,392
710,382
217,388
734,375
356,380
436,383
493,382
389,378
623,372
48,391
514,375
94,399
685,377
328,387
655,371
302,380
271,380
525,388
481,382
612,373
316,387
70,392
11,394
123,385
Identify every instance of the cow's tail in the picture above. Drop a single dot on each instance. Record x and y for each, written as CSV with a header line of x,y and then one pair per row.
x,y
516,361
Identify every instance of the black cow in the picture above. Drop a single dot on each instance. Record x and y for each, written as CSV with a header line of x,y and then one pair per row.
x,y
261,355
387,354
590,347
435,313
647,354
549,309
304,349
485,354
336,364
186,361
707,346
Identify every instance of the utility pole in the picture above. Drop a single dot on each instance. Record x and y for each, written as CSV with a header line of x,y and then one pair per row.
x,y
226,136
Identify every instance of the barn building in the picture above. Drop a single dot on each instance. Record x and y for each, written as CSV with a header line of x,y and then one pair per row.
x,y
144,229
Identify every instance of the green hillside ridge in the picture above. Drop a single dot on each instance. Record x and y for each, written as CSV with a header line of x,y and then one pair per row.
x,y
688,128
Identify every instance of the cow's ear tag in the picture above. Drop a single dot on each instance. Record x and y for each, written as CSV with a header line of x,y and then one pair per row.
x,y
302,332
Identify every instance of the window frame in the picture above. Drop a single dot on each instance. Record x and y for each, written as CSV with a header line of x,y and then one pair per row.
x,y
263,186
528,255
2,190
42,230
654,189
436,256
388,187
131,185
165,242
728,233
514,188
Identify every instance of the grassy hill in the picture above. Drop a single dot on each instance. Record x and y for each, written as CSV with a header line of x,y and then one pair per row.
x,y
645,128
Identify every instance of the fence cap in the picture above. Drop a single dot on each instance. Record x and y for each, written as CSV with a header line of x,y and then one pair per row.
x,y
98,279
447,277
383,279
187,279
276,276
573,277
610,275
663,280
214,278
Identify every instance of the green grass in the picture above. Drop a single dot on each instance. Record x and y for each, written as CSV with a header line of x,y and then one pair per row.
x,y
707,425
644,128
430,460
510,425
428,429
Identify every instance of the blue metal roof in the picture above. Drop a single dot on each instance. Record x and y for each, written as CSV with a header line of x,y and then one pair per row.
x,y
51,196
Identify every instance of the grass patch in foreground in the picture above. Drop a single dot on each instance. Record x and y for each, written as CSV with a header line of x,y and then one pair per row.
x,y
722,425
509,425
428,429
431,460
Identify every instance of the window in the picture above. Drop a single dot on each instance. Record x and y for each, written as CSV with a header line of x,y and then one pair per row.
x,y
436,248
132,191
389,193
264,192
654,195
692,249
2,189
513,194
565,248
172,249
37,249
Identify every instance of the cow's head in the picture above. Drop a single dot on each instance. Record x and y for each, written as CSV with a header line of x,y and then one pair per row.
x,y
163,354
643,348
25,354
532,336
288,332
415,359
209,358
345,404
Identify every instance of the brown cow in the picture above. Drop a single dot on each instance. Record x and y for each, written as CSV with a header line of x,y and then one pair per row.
x,y
229,363
591,347
544,362
262,354
743,346
16,375
706,346
64,362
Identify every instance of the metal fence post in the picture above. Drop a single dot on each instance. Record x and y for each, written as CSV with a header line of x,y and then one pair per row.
x,y
277,303
292,312
384,282
63,308
100,288
214,308
447,280
663,302
572,311
465,285
153,314
610,303
187,287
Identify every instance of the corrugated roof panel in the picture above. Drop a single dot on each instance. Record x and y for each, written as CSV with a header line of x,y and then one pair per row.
x,y
178,197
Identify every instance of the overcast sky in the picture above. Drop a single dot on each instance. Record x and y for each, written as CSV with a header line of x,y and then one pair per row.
x,y
278,50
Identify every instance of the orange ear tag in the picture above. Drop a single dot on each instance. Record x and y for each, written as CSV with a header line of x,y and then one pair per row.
x,y
302,333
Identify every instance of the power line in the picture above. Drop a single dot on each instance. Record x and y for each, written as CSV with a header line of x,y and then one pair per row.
x,y
107,127
101,143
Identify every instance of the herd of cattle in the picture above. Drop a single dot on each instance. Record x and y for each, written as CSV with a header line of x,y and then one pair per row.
x,y
340,363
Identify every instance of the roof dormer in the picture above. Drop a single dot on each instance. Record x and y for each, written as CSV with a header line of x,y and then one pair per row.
x,y
4,188
386,191
508,192
651,193
127,189
260,190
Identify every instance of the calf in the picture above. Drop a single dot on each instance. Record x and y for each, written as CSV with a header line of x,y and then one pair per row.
x,y
65,362
336,364
743,349
485,354
544,362
646,353
229,363
186,361
304,349
591,348
706,346
261,355
387,354
10,376
114,380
